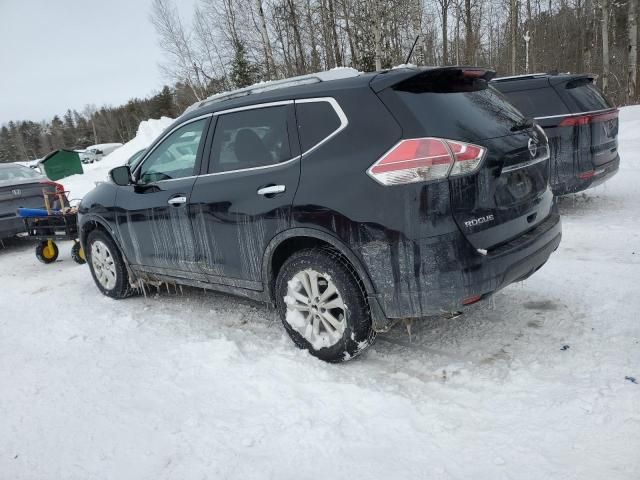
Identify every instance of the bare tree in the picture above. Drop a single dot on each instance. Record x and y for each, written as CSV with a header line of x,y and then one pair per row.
x,y
268,52
469,52
175,42
513,26
444,11
604,5
632,34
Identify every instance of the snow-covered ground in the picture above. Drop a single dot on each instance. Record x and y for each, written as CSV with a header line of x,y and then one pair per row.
x,y
203,385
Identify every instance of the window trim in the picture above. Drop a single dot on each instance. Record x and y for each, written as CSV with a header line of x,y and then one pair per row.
x,y
256,106
576,114
344,122
136,171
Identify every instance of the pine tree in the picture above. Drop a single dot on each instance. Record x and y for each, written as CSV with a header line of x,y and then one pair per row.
x,y
69,130
243,73
163,104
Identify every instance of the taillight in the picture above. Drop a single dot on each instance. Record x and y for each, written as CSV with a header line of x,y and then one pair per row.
x,y
467,158
59,188
587,175
587,119
426,159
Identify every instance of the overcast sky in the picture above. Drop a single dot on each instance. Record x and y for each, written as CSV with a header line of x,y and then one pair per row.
x,y
59,54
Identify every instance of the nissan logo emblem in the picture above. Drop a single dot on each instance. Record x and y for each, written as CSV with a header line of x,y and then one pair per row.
x,y
533,147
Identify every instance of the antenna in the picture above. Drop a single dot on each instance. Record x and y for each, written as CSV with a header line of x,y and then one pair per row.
x,y
412,47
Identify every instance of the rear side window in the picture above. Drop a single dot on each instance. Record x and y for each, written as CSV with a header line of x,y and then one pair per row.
x,y
583,96
250,138
316,121
539,102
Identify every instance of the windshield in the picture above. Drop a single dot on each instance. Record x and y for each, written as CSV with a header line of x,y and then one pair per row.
x,y
17,172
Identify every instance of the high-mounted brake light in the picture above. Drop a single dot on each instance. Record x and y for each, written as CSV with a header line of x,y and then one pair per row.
x,y
587,119
426,159
474,72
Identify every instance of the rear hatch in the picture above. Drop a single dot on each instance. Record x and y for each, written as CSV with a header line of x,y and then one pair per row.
x,y
21,193
508,193
592,125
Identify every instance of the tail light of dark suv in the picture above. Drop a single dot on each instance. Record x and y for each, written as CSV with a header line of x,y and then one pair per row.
x,y
584,119
426,159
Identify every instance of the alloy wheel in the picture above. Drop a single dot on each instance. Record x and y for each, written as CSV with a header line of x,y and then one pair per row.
x,y
315,308
103,264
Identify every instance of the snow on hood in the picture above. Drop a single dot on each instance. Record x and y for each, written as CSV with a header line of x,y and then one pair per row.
x,y
148,131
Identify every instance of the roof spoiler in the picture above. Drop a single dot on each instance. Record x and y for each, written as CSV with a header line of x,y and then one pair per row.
x,y
389,78
571,77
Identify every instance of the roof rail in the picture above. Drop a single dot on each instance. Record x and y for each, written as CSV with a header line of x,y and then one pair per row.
x,y
334,74
521,77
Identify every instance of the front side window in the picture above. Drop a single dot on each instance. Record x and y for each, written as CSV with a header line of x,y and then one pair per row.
x,y
176,156
250,138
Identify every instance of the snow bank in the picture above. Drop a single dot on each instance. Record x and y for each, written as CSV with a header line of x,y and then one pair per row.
x,y
147,132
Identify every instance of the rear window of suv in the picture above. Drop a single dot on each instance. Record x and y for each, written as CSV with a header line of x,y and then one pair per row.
x,y
583,96
538,102
441,104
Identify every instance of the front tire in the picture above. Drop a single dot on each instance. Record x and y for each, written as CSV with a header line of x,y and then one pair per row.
x,y
322,305
107,267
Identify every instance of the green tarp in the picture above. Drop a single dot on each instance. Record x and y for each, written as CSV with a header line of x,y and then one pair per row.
x,y
60,164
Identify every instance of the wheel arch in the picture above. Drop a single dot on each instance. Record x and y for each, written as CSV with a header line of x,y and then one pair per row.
x,y
283,245
93,222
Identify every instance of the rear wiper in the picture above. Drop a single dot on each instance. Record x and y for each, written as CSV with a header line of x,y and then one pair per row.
x,y
523,125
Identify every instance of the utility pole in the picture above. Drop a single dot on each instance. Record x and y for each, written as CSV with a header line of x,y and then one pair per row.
x,y
526,43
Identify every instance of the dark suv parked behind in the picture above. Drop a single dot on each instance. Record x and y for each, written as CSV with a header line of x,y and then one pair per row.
x,y
347,203
579,121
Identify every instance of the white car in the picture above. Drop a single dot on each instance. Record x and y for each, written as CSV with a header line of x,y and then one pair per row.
x,y
94,153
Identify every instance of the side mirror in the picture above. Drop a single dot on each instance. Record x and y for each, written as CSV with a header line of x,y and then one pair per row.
x,y
121,176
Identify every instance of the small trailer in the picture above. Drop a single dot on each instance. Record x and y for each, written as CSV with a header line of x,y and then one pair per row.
x,y
57,221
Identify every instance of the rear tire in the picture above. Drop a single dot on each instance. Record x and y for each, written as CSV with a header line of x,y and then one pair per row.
x,y
322,305
46,253
107,267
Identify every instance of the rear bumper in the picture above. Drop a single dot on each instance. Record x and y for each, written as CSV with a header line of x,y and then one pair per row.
x,y
572,183
435,276
11,226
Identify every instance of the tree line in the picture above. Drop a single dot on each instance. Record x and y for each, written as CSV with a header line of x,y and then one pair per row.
x,y
28,140
232,43
227,44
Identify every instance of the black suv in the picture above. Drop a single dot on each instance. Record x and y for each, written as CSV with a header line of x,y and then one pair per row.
x,y
348,203
581,124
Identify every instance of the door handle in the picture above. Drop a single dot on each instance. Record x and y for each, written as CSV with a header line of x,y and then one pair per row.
x,y
271,190
177,200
